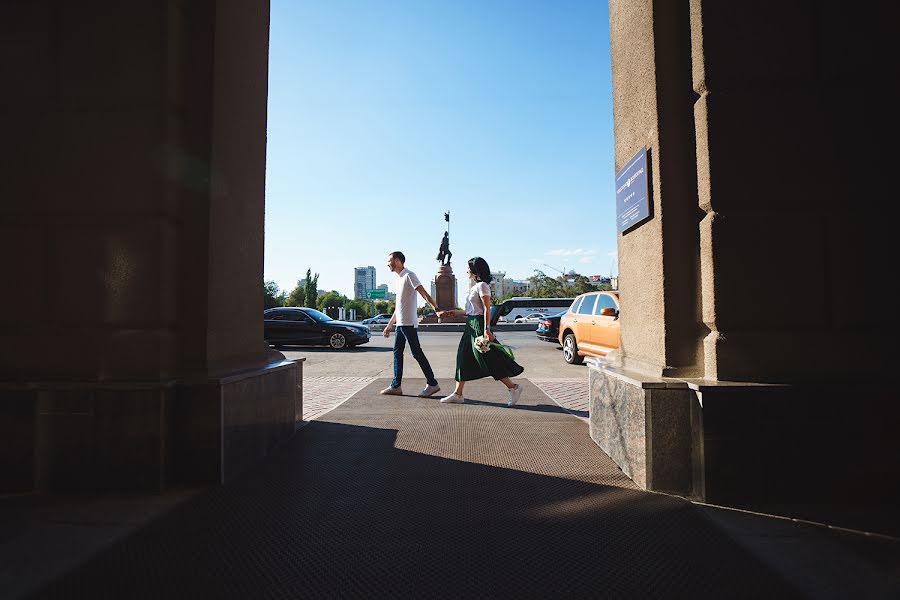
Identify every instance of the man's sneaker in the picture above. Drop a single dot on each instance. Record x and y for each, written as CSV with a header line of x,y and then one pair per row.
x,y
514,395
392,391
429,391
453,398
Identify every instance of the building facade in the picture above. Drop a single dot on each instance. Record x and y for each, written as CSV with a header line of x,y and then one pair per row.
x,y
498,283
363,281
502,285
519,287
388,295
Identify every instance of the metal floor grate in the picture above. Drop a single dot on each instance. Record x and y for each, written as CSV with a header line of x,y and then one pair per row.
x,y
402,497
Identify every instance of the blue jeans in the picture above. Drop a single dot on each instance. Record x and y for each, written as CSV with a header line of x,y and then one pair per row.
x,y
407,333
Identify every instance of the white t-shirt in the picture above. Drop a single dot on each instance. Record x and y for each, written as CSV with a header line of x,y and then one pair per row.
x,y
406,298
474,304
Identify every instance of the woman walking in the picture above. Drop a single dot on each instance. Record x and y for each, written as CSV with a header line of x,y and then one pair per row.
x,y
472,363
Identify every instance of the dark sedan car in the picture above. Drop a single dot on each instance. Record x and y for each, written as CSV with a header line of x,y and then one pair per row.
x,y
548,328
309,327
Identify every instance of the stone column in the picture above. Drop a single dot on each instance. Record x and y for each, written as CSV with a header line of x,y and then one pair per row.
x,y
132,234
659,263
791,123
756,336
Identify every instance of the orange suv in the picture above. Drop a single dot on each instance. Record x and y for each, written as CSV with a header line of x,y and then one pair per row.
x,y
590,327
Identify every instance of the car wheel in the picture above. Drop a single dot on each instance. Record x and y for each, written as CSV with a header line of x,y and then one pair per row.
x,y
570,350
337,341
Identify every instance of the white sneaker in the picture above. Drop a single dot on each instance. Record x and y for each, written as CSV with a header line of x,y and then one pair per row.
x,y
514,395
429,390
392,391
453,398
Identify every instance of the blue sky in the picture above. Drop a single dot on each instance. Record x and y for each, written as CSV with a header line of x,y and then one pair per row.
x,y
385,114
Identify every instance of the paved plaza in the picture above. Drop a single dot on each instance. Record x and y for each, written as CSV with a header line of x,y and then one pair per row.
x,y
403,497
327,383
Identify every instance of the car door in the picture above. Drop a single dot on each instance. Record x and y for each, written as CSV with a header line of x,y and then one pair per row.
x,y
584,320
605,332
568,319
275,326
301,329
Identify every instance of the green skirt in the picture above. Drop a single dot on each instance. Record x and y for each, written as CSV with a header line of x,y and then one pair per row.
x,y
472,364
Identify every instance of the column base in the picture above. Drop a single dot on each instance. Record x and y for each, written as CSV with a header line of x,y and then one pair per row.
x,y
645,425
750,445
143,436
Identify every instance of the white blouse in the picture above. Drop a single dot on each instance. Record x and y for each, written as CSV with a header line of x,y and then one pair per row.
x,y
474,304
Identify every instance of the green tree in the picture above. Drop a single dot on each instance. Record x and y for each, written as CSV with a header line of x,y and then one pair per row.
x,y
363,308
297,296
311,286
582,285
332,299
272,296
544,286
384,306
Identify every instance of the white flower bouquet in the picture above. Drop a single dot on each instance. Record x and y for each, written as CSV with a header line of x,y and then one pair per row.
x,y
482,344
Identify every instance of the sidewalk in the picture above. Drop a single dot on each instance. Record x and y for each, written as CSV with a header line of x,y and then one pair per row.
x,y
405,497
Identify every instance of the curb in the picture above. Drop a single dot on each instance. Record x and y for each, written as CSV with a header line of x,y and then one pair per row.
x,y
459,327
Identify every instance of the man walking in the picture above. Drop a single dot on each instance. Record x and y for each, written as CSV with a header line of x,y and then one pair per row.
x,y
405,318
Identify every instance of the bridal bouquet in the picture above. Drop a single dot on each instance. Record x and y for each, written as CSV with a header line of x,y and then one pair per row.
x,y
482,344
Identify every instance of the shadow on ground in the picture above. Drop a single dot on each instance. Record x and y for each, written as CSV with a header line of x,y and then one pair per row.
x,y
429,501
327,349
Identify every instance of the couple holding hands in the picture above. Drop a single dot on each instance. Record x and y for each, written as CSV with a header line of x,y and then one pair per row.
x,y
476,356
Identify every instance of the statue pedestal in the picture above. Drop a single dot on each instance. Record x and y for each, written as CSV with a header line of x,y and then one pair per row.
x,y
444,285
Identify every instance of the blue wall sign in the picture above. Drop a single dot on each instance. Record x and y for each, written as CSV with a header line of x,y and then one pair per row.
x,y
632,194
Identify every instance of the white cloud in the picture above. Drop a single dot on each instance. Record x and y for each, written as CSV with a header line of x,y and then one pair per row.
x,y
571,252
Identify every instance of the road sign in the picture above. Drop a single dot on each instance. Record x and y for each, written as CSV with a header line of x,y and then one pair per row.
x,y
376,293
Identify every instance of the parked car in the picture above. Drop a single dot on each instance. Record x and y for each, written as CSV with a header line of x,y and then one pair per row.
x,y
530,318
309,327
381,319
548,328
590,327
508,310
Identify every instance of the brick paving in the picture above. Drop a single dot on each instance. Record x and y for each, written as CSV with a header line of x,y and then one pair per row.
x,y
322,394
570,393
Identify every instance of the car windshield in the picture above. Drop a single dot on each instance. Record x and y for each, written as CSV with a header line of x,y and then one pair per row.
x,y
318,316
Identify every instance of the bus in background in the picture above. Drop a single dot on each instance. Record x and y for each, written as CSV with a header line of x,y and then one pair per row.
x,y
508,310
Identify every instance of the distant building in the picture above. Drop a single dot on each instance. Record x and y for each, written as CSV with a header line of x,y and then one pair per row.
x,y
519,287
363,281
498,283
501,285
389,296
